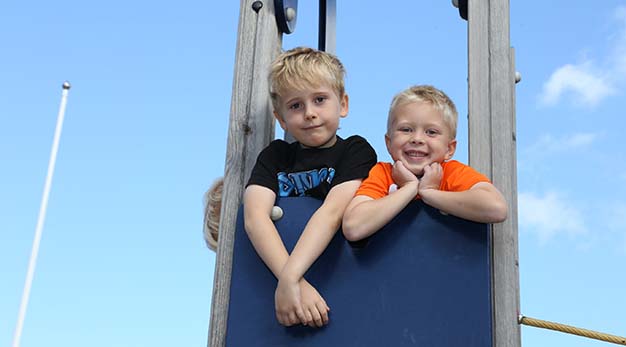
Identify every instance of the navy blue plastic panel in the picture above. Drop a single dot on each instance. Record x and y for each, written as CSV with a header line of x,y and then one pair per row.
x,y
423,280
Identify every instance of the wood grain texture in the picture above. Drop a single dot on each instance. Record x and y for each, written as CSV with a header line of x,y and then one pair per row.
x,y
251,128
493,147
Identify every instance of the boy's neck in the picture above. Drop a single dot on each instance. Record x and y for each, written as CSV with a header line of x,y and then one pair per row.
x,y
328,144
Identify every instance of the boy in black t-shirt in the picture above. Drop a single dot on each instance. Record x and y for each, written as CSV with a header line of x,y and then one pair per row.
x,y
307,91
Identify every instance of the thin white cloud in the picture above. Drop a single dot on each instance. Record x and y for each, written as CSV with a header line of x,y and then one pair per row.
x,y
589,83
549,216
585,86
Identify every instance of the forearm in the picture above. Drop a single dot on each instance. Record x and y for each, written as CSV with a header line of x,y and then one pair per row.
x,y
365,216
258,202
320,230
483,203
268,245
316,236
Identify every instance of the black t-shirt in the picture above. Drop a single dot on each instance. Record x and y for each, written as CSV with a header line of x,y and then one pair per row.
x,y
290,170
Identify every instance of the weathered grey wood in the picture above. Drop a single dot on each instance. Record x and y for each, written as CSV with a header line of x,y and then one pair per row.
x,y
492,149
251,128
479,120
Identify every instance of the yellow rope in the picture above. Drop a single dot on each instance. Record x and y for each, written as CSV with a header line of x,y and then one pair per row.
x,y
572,330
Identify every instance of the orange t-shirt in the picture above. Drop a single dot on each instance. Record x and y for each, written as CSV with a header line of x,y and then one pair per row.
x,y
456,177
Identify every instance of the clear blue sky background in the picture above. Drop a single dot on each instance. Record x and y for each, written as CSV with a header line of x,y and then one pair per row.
x,y
122,259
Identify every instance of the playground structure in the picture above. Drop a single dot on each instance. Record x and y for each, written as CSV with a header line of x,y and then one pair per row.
x,y
492,150
492,146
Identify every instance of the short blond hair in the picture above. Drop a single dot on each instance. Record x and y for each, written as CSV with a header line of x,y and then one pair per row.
x,y
431,95
212,209
303,67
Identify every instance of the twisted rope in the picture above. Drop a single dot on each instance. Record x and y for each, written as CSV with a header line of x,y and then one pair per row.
x,y
572,330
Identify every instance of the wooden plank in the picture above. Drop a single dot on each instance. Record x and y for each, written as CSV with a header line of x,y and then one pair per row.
x,y
251,128
492,149
505,247
479,120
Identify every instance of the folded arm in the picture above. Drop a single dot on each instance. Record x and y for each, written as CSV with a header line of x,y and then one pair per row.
x,y
319,231
365,215
482,203
258,202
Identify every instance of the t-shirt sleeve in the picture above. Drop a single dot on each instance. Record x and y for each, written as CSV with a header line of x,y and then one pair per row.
x,y
376,185
356,162
460,177
266,166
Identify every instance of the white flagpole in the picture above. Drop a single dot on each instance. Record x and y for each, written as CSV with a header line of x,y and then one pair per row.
x,y
42,216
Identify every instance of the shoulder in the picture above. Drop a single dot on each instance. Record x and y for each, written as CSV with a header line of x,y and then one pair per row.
x,y
356,140
278,147
454,166
378,182
382,168
357,144
380,171
458,176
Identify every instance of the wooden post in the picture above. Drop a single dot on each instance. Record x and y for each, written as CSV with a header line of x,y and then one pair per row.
x,y
492,150
251,128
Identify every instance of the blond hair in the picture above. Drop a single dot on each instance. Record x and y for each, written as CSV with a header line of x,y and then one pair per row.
x,y
212,209
302,68
431,95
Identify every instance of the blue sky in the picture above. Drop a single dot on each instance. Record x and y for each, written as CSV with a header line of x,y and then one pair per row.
x,y
122,260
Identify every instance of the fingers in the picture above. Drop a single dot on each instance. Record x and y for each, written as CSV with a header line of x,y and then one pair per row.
x,y
316,318
293,318
309,318
302,317
286,319
323,309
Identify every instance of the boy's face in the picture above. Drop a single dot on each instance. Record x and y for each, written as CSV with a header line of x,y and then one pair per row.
x,y
312,115
419,137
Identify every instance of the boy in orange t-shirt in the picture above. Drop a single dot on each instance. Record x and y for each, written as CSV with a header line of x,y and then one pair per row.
x,y
421,139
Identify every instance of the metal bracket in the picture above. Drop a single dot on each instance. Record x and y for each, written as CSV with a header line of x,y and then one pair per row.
x,y
286,15
462,6
327,26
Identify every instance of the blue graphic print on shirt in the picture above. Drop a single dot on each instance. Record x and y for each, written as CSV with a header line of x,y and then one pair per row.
x,y
297,183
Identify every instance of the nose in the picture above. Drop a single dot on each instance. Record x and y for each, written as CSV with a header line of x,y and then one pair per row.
x,y
309,112
418,137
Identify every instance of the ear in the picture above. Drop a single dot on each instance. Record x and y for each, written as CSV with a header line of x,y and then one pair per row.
x,y
280,120
451,149
344,102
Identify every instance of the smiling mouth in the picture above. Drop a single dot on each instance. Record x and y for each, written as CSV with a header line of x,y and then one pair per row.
x,y
312,127
416,154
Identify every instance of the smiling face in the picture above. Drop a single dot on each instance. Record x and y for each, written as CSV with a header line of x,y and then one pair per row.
x,y
418,136
312,115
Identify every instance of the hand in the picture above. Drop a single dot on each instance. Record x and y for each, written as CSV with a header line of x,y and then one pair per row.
x,y
401,175
288,304
433,174
314,306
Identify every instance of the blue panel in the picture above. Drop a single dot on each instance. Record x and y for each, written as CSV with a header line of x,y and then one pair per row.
x,y
423,280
